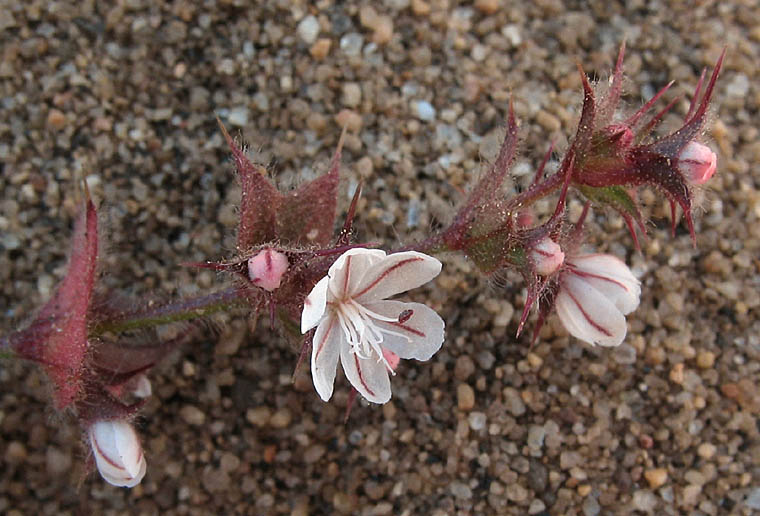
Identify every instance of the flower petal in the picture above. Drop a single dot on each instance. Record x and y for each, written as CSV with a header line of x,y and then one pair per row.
x,y
419,337
396,273
610,276
587,313
347,271
314,305
324,356
369,376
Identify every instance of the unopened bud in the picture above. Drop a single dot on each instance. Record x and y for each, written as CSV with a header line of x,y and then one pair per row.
x,y
547,256
118,454
697,163
267,268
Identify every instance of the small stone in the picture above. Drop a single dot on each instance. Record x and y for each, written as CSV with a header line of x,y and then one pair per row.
x,y
513,401
487,6
192,415
591,506
423,110
477,421
56,119
229,462
536,506
548,121
644,501
281,418
625,354
238,116
516,493
56,461
308,29
656,477
15,453
460,490
676,374
753,499
258,416
465,397
420,7
569,459
351,44
690,495
349,119
314,453
321,48
383,30
352,94
705,359
706,450
536,436
463,368
584,490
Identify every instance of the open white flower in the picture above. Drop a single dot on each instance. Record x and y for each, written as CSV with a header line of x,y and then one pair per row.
x,y
596,292
118,454
358,325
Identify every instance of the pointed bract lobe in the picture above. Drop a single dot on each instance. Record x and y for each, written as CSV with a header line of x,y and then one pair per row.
x,y
57,337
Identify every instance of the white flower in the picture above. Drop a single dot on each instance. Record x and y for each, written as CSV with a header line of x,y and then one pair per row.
x,y
117,452
358,325
596,292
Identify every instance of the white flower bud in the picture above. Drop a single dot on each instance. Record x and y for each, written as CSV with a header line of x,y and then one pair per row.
x,y
118,454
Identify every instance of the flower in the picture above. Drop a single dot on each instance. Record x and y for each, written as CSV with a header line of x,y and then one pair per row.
x,y
267,268
697,163
596,291
547,256
117,451
357,325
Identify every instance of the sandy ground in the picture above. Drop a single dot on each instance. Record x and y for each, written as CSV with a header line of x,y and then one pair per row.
x,y
126,95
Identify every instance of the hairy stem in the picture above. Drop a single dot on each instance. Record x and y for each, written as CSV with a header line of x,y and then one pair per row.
x,y
182,310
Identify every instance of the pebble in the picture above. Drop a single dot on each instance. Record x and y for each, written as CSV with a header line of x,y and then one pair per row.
x,y
423,110
705,359
349,119
487,6
513,401
308,29
238,116
351,44
57,462
536,434
192,415
56,119
465,397
689,495
352,94
477,421
516,493
706,450
281,418
464,368
321,48
644,500
536,506
460,490
656,477
753,499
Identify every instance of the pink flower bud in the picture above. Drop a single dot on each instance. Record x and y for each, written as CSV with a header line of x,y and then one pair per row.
x,y
267,268
118,454
547,256
697,163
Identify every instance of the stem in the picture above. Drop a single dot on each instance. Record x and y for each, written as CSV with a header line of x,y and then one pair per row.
x,y
183,310
536,192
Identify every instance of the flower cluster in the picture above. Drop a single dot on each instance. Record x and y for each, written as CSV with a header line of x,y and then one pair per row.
x,y
290,263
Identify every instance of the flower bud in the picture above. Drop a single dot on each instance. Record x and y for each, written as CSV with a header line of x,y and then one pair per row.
x,y
697,163
118,454
547,256
267,268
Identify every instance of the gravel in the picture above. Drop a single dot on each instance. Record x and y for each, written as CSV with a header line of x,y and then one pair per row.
x,y
126,94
